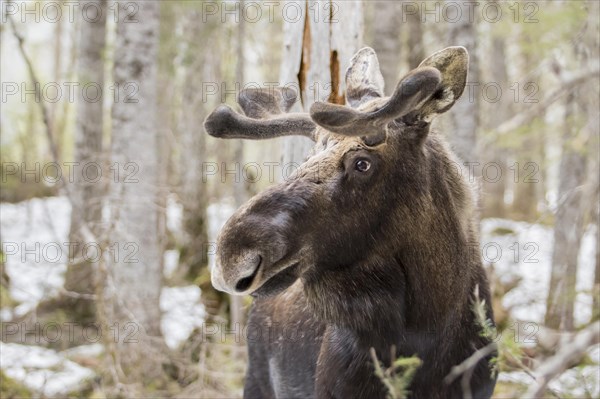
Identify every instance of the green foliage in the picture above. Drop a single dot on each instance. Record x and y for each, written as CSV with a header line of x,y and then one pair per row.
x,y
398,377
488,330
502,231
10,389
487,326
540,26
13,188
5,298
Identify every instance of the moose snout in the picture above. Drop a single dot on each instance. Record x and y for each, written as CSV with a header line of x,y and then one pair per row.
x,y
238,273
252,247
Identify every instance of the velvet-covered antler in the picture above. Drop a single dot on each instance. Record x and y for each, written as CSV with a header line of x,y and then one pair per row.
x,y
264,117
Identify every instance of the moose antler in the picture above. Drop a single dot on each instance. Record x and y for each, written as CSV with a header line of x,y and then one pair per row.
x,y
265,117
428,90
412,91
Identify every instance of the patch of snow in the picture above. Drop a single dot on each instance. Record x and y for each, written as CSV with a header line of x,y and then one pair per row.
x,y
91,350
35,244
182,312
174,214
34,233
218,214
42,370
578,382
526,253
171,261
515,377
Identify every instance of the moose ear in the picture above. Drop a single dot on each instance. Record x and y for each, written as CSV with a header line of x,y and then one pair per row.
x,y
364,80
453,63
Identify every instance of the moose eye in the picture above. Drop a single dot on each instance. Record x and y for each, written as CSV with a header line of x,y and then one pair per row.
x,y
362,165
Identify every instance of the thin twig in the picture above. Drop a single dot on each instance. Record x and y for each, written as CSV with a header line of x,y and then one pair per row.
x,y
379,373
470,362
86,232
531,113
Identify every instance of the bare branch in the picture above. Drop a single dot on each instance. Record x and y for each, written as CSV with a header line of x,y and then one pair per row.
x,y
85,230
37,88
531,113
77,295
470,362
566,356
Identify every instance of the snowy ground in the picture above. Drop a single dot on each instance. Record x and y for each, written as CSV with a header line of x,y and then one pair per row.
x,y
33,234
45,370
526,253
578,382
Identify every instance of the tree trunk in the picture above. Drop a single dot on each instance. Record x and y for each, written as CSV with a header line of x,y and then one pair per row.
x,y
596,289
387,42
415,50
317,49
87,193
568,228
136,267
581,130
54,106
199,67
465,113
525,201
239,189
495,175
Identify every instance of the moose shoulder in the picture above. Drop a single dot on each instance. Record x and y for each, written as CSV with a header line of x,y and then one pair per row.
x,y
370,244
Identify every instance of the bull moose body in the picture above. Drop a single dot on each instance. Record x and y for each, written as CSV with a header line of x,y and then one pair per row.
x,y
370,244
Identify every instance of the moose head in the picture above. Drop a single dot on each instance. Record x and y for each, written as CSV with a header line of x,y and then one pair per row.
x,y
368,178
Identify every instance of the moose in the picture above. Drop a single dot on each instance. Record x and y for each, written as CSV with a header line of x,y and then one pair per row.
x,y
371,244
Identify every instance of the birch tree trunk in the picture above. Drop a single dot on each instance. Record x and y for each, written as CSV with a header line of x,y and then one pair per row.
x,y
200,67
415,50
581,125
525,193
596,289
317,50
465,113
87,193
568,229
193,192
136,271
239,189
54,106
387,22
494,184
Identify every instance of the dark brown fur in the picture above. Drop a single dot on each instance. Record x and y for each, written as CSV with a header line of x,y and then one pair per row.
x,y
341,260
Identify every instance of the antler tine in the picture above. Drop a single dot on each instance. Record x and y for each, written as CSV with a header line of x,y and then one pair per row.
x,y
264,117
225,123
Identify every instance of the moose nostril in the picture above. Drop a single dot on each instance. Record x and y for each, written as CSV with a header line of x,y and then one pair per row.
x,y
245,283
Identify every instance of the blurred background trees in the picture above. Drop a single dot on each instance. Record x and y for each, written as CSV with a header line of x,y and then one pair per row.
x,y
123,89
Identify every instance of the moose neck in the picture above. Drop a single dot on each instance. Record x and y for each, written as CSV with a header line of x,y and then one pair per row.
x,y
415,289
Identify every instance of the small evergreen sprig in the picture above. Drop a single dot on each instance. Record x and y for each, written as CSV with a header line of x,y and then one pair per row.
x,y
488,330
398,377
